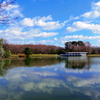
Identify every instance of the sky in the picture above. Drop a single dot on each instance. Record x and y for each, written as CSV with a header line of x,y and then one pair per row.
x,y
53,22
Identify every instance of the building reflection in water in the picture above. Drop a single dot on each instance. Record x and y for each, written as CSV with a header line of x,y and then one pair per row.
x,y
78,62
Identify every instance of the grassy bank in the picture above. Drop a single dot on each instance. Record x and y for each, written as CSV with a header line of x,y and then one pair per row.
x,y
36,55
14,56
44,55
47,55
93,55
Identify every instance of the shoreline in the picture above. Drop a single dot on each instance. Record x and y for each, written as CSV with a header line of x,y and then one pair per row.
x,y
15,56
93,55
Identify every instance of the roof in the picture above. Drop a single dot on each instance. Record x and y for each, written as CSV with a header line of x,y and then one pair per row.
x,y
76,52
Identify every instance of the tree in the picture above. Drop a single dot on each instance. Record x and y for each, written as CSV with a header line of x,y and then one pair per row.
x,y
68,46
7,53
5,17
61,51
4,53
88,47
1,48
75,46
80,43
27,51
1,51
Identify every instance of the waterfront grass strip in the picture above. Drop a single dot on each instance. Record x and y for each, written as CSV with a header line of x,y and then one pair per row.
x,y
44,55
94,55
36,55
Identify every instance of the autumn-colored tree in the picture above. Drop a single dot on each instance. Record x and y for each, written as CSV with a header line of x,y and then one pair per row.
x,y
36,49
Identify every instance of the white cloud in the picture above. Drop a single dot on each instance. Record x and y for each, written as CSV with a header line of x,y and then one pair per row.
x,y
46,34
89,17
21,41
46,23
50,25
95,12
44,42
27,22
30,28
81,37
16,33
95,28
56,39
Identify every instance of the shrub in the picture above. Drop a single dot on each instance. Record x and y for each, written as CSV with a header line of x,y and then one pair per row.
x,y
27,51
1,51
7,54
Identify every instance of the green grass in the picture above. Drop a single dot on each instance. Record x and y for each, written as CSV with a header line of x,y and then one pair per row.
x,y
14,56
44,55
93,55
36,55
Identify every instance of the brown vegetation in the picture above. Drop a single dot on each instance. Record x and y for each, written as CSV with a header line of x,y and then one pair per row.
x,y
36,49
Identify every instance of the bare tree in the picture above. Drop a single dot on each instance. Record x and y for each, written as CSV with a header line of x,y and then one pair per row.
x,y
88,47
17,48
5,17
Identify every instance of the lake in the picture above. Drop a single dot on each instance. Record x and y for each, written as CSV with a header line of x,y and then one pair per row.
x,y
69,78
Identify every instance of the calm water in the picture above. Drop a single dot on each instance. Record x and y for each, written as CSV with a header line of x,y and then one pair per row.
x,y
72,78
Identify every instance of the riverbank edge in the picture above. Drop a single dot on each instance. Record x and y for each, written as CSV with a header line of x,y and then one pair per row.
x,y
15,56
93,55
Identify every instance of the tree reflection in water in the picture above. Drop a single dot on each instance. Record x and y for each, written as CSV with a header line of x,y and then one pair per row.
x,y
29,62
70,62
77,63
4,66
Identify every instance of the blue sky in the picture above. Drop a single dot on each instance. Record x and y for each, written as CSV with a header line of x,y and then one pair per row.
x,y
53,22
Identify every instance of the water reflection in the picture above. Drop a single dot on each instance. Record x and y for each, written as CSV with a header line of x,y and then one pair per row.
x,y
4,66
28,61
36,62
78,63
73,78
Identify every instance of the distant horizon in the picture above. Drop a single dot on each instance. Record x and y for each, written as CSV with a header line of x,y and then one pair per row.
x,y
53,22
49,44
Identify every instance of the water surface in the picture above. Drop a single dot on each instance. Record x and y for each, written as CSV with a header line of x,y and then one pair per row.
x,y
72,78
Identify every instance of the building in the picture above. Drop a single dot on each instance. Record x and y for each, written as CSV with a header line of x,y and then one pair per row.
x,y
74,54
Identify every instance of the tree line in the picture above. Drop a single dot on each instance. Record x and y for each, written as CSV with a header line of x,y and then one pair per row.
x,y
35,49
80,46
71,46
